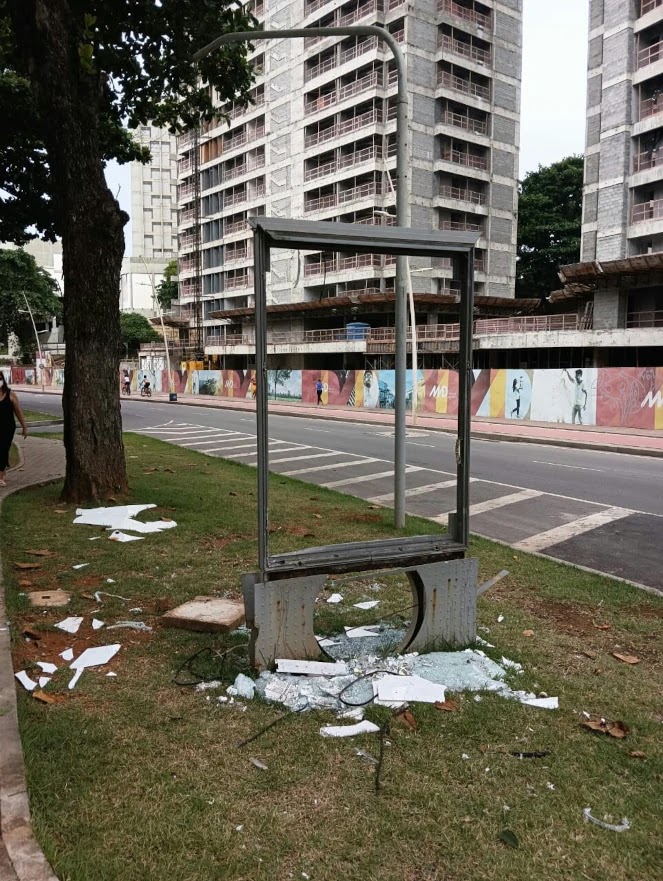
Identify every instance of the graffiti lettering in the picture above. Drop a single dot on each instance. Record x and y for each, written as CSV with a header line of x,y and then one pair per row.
x,y
439,391
652,400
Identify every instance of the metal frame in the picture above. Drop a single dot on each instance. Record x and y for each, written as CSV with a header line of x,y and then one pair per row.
x,y
359,239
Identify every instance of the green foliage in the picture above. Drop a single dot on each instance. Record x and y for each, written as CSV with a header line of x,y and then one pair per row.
x,y
549,223
137,58
136,329
167,290
21,278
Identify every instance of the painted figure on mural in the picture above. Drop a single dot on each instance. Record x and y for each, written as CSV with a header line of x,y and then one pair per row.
x,y
253,388
517,390
579,390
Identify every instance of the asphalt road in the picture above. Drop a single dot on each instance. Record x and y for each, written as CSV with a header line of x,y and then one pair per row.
x,y
595,509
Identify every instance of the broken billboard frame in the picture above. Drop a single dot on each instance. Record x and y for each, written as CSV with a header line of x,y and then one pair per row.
x,y
271,233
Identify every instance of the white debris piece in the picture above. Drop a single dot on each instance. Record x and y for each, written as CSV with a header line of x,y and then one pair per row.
x,y
325,642
67,655
624,826
512,665
130,625
208,686
245,686
94,538
485,644
395,690
43,681
359,632
364,727
47,667
367,604
25,680
335,598
121,517
111,674
74,679
70,625
95,657
97,624
543,703
80,565
500,618
116,535
312,668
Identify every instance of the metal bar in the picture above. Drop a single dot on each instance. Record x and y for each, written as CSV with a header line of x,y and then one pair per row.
x,y
461,522
261,258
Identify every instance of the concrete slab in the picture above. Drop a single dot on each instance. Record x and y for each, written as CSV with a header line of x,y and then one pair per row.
x,y
49,598
445,499
207,614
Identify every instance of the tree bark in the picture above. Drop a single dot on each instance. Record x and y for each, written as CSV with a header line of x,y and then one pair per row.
x,y
91,223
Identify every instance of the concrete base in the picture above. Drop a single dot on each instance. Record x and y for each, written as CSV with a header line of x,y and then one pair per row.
x,y
49,598
206,614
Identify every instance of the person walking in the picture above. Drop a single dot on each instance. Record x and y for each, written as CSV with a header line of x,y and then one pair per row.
x,y
319,388
10,410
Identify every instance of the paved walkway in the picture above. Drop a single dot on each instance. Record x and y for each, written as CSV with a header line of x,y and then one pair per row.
x,y
615,439
21,858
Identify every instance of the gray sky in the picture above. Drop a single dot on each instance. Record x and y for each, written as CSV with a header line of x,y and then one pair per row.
x,y
553,93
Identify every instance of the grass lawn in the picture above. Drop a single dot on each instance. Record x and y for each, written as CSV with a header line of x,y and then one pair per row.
x,y
137,779
36,416
13,456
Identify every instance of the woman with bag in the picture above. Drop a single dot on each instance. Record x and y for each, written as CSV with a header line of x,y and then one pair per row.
x,y
10,410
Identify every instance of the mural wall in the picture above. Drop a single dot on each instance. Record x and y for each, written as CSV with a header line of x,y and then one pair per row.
x,y
628,397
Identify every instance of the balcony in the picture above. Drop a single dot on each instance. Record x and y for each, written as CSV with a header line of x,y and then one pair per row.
x,y
314,5
459,120
236,141
230,229
647,160
358,50
361,192
459,195
233,255
467,159
647,211
645,319
242,168
394,4
460,226
650,107
370,117
238,282
358,157
477,18
357,14
458,84
363,84
185,191
187,243
315,105
320,170
322,67
186,216
649,6
184,140
466,50
321,136
184,166
650,54
321,203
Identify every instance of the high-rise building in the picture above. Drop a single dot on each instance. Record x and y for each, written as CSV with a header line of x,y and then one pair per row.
x,y
153,219
623,193
318,142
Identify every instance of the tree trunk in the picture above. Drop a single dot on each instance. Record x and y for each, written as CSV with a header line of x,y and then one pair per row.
x,y
91,224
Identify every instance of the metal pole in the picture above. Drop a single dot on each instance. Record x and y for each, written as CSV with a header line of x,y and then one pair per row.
x,y
461,520
34,327
261,257
155,301
402,215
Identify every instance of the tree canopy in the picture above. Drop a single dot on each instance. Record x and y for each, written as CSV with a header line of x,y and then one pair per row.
x,y
135,329
549,225
22,279
75,77
167,289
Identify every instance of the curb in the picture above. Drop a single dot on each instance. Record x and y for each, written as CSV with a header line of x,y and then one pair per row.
x,y
25,858
481,435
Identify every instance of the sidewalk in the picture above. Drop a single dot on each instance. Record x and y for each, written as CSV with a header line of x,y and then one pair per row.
x,y
610,439
21,858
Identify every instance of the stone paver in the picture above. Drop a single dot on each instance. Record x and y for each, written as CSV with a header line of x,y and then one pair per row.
x,y
21,858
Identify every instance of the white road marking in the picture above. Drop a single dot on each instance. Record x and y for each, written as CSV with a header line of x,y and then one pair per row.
x,y
571,530
493,504
313,456
415,444
236,447
200,439
576,467
329,465
365,478
282,450
416,491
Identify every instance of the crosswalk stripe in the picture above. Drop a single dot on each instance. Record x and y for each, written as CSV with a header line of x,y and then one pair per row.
x,y
571,530
493,504
329,465
414,491
255,453
200,439
364,478
297,458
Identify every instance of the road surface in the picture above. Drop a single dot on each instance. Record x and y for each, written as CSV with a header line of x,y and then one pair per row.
x,y
595,509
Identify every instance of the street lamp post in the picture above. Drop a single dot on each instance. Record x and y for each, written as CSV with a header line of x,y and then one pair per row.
x,y
34,327
402,214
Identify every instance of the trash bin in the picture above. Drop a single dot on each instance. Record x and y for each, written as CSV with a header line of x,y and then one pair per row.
x,y
172,397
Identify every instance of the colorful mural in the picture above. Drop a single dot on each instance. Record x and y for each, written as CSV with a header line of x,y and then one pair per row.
x,y
627,397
